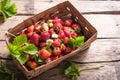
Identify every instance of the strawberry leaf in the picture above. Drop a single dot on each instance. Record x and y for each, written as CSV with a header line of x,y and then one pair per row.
x,y
13,50
7,8
22,59
75,43
71,71
20,40
19,46
29,48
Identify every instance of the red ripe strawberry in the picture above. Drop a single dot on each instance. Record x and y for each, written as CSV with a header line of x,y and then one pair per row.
x,y
37,27
57,26
29,34
56,43
74,35
66,40
35,38
30,29
57,20
68,22
67,33
63,47
32,64
44,54
42,44
65,28
22,32
45,35
68,50
56,51
76,27
51,31
61,34
44,27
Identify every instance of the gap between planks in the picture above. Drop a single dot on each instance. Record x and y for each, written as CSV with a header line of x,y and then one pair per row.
x,y
108,26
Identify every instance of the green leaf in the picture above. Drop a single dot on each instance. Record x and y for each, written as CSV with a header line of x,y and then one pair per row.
x,y
75,43
8,3
38,59
20,40
5,73
71,71
7,8
22,59
30,49
13,50
19,46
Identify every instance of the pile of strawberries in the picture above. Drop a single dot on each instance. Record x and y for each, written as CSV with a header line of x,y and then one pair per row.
x,y
52,38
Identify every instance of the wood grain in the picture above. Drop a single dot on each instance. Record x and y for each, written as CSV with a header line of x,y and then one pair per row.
x,y
100,50
55,73
33,7
108,26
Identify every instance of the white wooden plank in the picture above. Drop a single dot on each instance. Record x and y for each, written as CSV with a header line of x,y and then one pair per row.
x,y
33,6
108,26
100,50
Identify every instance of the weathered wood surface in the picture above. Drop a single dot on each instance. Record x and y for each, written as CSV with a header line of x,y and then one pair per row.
x,y
104,51
83,6
108,26
97,52
55,73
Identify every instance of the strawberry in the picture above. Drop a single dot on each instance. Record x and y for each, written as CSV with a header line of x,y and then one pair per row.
x,y
67,33
56,43
61,34
44,54
22,32
35,38
32,64
57,20
51,31
37,27
56,51
45,35
74,35
68,22
29,34
63,47
66,40
30,29
57,26
76,27
42,44
44,27
50,24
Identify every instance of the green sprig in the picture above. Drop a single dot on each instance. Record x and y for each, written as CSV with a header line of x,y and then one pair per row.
x,y
72,71
77,42
19,46
8,8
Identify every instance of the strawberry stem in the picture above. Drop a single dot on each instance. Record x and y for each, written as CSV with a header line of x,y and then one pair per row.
x,y
90,68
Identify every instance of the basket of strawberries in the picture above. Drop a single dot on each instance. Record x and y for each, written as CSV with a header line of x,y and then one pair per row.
x,y
44,40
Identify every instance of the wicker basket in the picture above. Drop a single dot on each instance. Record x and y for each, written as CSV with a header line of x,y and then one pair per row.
x,y
61,10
